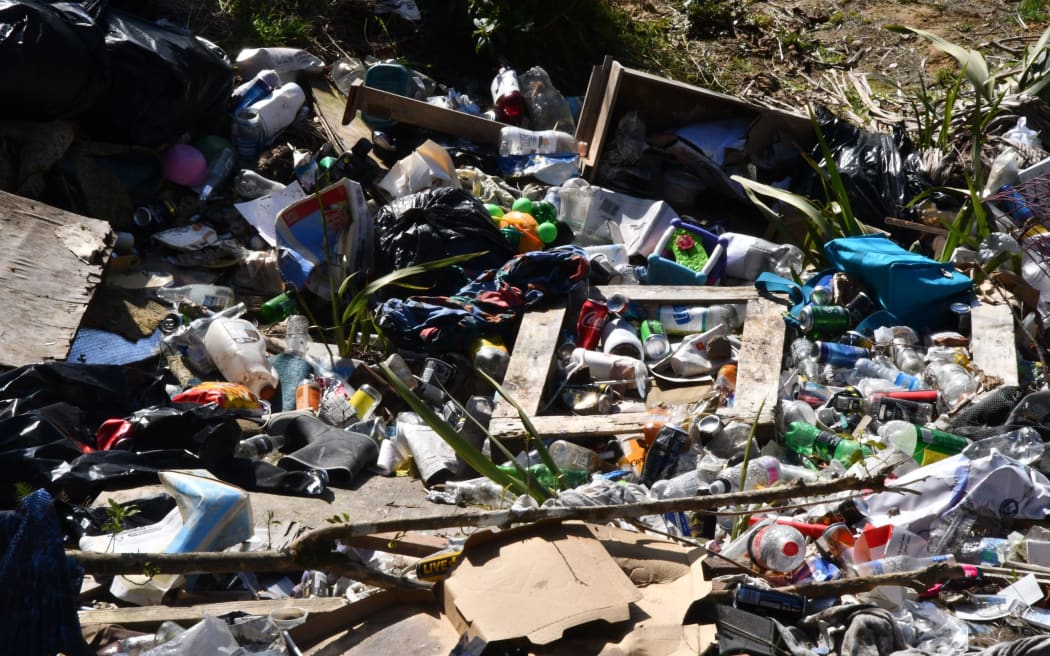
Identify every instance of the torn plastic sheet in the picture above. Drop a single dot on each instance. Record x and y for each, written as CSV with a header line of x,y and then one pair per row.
x,y
94,346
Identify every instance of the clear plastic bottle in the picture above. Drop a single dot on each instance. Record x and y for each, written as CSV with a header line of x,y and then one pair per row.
x,y
1024,445
218,170
867,368
506,96
213,297
519,141
683,485
792,410
547,107
249,185
954,381
915,440
762,471
573,456
907,358
297,334
804,358
777,547
257,446
895,564
483,492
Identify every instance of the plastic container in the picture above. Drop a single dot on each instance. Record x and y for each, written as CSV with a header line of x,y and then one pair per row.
x,y
761,472
259,124
954,381
257,88
681,486
239,351
688,319
573,456
297,334
283,60
218,171
747,256
867,368
519,141
506,96
213,297
258,445
619,337
777,547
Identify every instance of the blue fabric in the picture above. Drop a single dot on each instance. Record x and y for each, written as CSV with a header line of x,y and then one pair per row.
x,y
490,304
913,288
39,584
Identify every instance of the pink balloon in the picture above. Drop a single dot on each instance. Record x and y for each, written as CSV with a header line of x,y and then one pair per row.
x,y
184,165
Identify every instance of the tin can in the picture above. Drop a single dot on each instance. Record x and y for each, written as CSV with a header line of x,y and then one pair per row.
x,y
961,312
661,459
364,401
842,288
822,293
840,355
155,215
848,401
860,307
308,395
888,409
654,340
589,326
589,399
825,320
763,602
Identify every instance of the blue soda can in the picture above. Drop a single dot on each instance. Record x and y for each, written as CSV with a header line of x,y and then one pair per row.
x,y
840,355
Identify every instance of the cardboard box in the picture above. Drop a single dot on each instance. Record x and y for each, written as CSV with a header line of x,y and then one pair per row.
x,y
538,581
774,138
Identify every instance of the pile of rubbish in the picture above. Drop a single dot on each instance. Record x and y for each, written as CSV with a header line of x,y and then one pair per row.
x,y
311,312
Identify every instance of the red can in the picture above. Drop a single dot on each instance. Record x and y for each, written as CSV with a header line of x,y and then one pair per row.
x,y
593,315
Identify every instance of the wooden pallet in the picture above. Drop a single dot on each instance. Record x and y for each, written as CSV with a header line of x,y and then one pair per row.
x,y
532,364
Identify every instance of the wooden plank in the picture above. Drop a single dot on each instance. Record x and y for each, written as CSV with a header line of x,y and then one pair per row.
x,y
758,364
51,261
532,362
992,345
329,106
529,368
383,104
146,617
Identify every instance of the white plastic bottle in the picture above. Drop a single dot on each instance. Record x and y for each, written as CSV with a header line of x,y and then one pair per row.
x,y
519,141
258,125
747,256
687,319
239,351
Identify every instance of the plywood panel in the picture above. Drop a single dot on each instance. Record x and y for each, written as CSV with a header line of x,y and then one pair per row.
x,y
51,261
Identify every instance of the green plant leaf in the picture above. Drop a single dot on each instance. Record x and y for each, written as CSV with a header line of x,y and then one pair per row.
x,y
463,449
972,62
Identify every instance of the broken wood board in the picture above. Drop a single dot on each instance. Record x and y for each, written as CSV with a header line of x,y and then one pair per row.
x,y
533,364
51,261
385,105
992,343
329,106
150,617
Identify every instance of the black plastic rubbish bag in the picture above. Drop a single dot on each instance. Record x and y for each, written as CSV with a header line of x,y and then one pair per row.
x,y
54,59
434,224
164,83
881,173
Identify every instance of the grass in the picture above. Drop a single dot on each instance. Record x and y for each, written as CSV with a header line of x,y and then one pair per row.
x,y
1033,11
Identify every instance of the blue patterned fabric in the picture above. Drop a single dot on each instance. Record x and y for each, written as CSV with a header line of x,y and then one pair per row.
x,y
39,584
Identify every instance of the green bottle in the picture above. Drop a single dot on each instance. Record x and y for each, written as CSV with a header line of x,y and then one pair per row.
x,y
543,475
279,307
808,440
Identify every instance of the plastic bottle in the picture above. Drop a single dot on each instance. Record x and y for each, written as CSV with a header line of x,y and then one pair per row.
x,y
747,256
519,141
761,472
687,319
258,445
279,307
506,96
777,547
491,356
249,185
283,60
812,442
907,358
297,334
895,564
547,107
804,358
573,456
1024,445
678,487
239,351
213,297
481,491
792,410
954,381
473,430
915,440
259,124
867,368
218,170
257,88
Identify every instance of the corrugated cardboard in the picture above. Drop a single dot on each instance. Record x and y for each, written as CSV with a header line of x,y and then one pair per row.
x,y
539,581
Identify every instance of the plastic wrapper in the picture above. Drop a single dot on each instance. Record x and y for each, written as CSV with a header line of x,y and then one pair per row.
x,y
434,224
881,172
229,396
54,59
